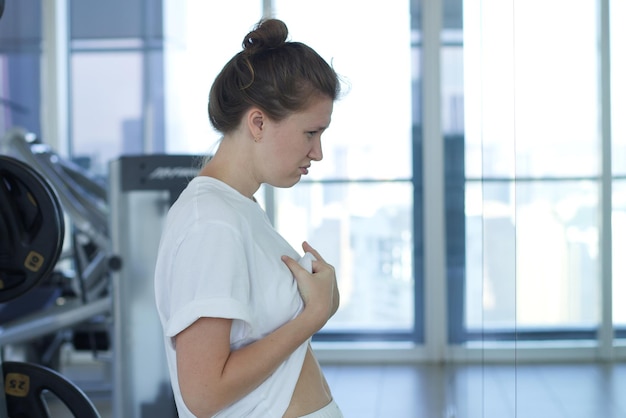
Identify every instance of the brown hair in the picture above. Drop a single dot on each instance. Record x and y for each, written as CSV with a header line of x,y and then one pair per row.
x,y
277,75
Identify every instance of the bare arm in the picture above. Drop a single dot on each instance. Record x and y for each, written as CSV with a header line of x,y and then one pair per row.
x,y
211,376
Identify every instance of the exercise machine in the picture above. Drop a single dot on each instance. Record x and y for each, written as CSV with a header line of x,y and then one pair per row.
x,y
142,188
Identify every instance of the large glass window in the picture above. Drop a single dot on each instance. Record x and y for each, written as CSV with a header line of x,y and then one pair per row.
x,y
106,125
532,161
207,35
357,204
116,76
521,129
618,155
365,231
20,63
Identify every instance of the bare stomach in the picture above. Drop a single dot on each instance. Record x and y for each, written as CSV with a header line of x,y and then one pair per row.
x,y
311,392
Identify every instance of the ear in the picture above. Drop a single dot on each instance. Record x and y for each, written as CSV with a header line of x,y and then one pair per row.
x,y
255,120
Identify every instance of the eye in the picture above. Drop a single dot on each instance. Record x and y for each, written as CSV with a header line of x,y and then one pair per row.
x,y
311,134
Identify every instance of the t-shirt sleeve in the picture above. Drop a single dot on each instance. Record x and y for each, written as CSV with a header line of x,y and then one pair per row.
x,y
209,278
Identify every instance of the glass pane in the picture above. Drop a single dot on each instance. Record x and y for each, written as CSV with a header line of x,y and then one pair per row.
x,y
20,67
532,255
106,91
618,155
20,92
370,135
619,261
205,42
93,19
490,256
365,231
452,90
531,95
618,85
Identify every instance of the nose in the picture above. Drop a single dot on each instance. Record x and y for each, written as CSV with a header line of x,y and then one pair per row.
x,y
315,153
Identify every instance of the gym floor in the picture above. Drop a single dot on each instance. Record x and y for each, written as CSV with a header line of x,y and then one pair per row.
x,y
582,390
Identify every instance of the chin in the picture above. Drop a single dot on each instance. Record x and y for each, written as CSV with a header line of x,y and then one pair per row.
x,y
285,184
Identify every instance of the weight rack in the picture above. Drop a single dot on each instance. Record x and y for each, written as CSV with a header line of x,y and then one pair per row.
x,y
33,230
114,229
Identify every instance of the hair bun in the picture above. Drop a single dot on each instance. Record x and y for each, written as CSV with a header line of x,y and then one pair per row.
x,y
267,34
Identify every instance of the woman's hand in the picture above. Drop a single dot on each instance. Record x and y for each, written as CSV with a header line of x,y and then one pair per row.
x,y
318,289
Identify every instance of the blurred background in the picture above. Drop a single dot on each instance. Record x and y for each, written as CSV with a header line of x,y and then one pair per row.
x,y
472,195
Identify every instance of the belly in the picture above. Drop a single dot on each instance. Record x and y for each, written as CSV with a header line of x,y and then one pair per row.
x,y
311,392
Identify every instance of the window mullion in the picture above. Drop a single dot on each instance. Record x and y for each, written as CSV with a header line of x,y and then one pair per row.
x,y
433,175
605,336
55,75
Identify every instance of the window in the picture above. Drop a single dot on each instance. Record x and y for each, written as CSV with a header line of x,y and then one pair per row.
x,y
116,78
618,155
357,204
20,53
532,171
107,117
521,130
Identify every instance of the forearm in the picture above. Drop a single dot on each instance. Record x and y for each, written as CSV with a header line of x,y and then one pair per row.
x,y
207,391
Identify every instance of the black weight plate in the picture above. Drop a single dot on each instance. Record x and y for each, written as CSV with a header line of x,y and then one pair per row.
x,y
24,387
32,228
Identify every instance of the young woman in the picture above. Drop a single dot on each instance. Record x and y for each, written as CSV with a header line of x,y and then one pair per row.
x,y
237,308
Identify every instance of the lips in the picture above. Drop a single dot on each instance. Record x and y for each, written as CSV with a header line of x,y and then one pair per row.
x,y
304,170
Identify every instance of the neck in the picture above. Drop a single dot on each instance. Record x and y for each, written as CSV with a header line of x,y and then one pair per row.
x,y
231,165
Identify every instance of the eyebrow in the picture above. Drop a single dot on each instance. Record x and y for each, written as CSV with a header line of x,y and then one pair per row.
x,y
322,127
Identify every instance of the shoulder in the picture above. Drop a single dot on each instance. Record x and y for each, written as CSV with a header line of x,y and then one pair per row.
x,y
207,201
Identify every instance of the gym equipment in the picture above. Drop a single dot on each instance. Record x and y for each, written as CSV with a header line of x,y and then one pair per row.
x,y
142,188
24,387
33,196
82,196
84,201
84,275
124,217
31,227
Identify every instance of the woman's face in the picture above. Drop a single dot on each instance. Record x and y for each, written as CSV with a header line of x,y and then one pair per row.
x,y
293,143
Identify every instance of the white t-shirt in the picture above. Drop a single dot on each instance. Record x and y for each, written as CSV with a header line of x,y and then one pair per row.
x,y
219,256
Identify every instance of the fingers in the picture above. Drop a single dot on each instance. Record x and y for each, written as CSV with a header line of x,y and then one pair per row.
x,y
317,265
307,248
292,264
319,288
